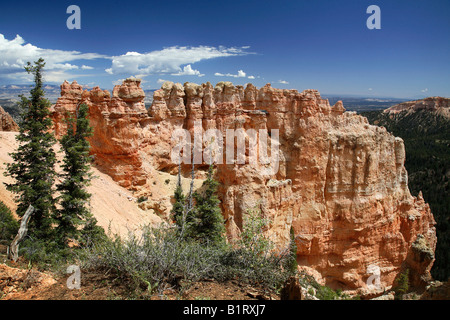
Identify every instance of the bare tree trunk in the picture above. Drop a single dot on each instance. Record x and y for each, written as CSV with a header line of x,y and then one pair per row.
x,y
14,248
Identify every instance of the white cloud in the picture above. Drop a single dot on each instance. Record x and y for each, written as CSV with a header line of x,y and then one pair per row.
x,y
251,77
283,82
425,90
118,82
62,64
15,53
168,60
188,71
240,74
161,81
65,66
370,89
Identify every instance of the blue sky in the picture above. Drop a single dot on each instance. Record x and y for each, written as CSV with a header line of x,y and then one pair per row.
x,y
323,45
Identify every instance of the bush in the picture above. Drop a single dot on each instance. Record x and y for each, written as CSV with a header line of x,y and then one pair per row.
x,y
158,259
45,254
319,291
142,199
401,286
8,225
326,293
252,236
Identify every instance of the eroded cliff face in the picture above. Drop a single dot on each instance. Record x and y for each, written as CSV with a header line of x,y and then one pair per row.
x,y
340,183
117,123
436,105
7,123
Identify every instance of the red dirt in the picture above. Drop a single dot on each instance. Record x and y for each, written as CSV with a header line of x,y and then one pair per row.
x,y
19,283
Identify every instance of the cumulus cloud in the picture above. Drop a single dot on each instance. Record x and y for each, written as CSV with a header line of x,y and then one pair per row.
x,y
283,82
240,74
188,71
14,54
63,64
425,90
169,60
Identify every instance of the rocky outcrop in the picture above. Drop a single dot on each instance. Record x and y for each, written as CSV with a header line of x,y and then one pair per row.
x,y
437,290
117,124
339,182
437,105
7,123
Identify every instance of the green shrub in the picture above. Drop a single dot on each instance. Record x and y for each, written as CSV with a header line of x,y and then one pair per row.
x,y
142,199
321,292
252,236
401,286
45,254
159,259
8,225
153,260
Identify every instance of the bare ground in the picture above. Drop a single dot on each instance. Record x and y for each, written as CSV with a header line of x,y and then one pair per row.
x,y
17,282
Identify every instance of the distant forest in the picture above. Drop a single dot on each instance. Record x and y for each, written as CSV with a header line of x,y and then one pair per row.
x,y
427,141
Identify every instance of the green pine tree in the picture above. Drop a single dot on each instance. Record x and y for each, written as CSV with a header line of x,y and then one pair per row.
x,y
179,206
8,225
291,261
401,285
33,162
74,197
208,223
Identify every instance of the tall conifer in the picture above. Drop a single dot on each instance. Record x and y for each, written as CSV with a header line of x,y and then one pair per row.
x,y
208,224
74,197
33,162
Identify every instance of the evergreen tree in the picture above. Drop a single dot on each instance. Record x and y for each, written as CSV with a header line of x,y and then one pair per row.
x,y
33,162
179,206
8,225
291,261
401,285
74,197
208,223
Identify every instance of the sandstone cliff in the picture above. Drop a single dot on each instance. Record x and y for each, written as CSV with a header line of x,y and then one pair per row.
x,y
341,183
117,126
437,105
7,123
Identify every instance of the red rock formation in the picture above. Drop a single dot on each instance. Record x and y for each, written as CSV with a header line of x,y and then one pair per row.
x,y
341,183
7,123
117,126
437,105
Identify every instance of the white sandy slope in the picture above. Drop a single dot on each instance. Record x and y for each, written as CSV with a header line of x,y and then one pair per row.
x,y
113,206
